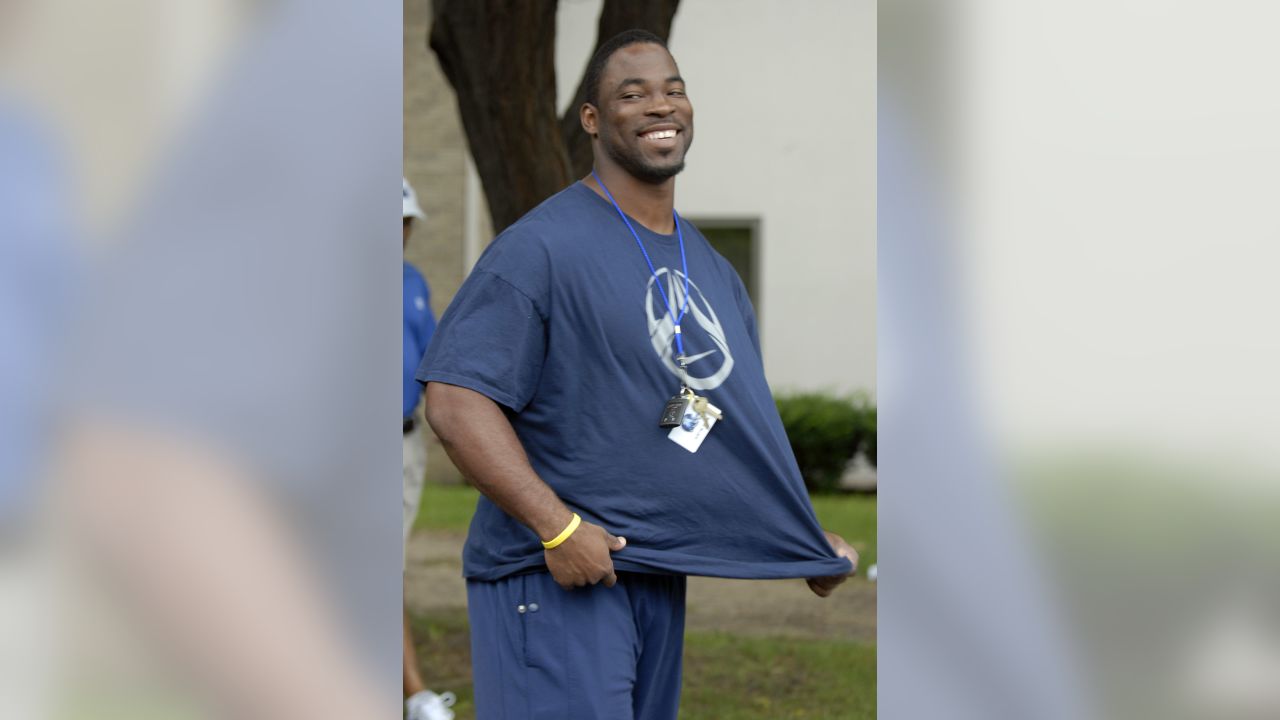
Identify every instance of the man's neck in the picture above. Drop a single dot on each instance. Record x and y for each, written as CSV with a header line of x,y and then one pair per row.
x,y
649,203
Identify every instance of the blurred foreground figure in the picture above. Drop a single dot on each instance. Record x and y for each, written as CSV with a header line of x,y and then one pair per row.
x,y
223,474
598,378
419,324
36,276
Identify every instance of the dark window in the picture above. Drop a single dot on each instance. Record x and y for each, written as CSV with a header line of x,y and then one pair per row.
x,y
736,240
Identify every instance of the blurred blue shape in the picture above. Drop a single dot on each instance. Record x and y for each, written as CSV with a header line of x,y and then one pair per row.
x,y
35,270
968,627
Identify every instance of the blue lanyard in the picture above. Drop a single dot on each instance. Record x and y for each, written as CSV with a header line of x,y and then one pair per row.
x,y
684,264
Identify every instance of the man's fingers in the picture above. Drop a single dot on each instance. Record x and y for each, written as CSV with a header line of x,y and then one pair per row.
x,y
824,586
615,543
853,558
611,579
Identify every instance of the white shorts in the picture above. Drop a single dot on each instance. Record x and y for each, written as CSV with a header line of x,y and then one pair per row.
x,y
415,470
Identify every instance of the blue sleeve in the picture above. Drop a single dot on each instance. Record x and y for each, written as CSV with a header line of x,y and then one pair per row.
x,y
492,339
427,327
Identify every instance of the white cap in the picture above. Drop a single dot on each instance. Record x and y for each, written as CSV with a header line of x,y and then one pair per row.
x,y
411,207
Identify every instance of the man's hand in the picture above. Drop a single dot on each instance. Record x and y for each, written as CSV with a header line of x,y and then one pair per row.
x,y
824,586
584,559
479,438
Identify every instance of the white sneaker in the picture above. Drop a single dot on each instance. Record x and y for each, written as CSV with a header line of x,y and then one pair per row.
x,y
427,705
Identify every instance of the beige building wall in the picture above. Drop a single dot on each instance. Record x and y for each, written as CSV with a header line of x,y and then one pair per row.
x,y
435,160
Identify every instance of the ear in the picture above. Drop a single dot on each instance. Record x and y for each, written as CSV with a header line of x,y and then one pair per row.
x,y
590,119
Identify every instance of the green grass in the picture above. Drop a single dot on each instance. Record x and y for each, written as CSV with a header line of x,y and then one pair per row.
x,y
726,677
443,643
852,517
729,677
446,507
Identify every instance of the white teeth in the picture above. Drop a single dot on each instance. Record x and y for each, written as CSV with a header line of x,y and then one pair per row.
x,y
660,134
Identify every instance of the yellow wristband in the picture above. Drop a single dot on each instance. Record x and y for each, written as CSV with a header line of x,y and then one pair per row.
x,y
564,534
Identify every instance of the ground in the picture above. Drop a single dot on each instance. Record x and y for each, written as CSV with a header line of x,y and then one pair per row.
x,y
754,649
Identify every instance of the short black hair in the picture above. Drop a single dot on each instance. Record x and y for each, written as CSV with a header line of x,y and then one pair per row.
x,y
626,38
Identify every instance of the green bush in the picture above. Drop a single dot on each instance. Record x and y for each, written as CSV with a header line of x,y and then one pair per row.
x,y
825,432
869,434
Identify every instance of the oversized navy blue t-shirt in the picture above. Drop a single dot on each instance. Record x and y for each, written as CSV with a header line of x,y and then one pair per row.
x,y
561,323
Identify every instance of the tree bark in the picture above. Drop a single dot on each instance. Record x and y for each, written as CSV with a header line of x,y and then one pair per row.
x,y
499,55
616,16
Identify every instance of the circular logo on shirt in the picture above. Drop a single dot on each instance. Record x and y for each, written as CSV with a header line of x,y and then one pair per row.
x,y
706,350
420,303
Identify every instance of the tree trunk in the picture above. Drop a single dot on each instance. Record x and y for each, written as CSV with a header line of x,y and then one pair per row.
x,y
499,55
617,16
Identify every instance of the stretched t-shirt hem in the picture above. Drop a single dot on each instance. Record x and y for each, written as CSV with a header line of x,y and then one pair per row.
x,y
657,563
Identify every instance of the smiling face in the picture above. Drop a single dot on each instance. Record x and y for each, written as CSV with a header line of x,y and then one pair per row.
x,y
644,123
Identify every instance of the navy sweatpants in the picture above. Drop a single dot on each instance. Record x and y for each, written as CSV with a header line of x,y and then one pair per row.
x,y
540,652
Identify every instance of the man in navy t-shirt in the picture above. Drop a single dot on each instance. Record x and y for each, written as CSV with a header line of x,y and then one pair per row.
x,y
598,378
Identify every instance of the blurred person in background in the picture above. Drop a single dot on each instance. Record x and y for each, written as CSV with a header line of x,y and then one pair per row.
x,y
419,324
593,316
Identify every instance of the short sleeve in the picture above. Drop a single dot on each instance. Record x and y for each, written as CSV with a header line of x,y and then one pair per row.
x,y
748,311
492,340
